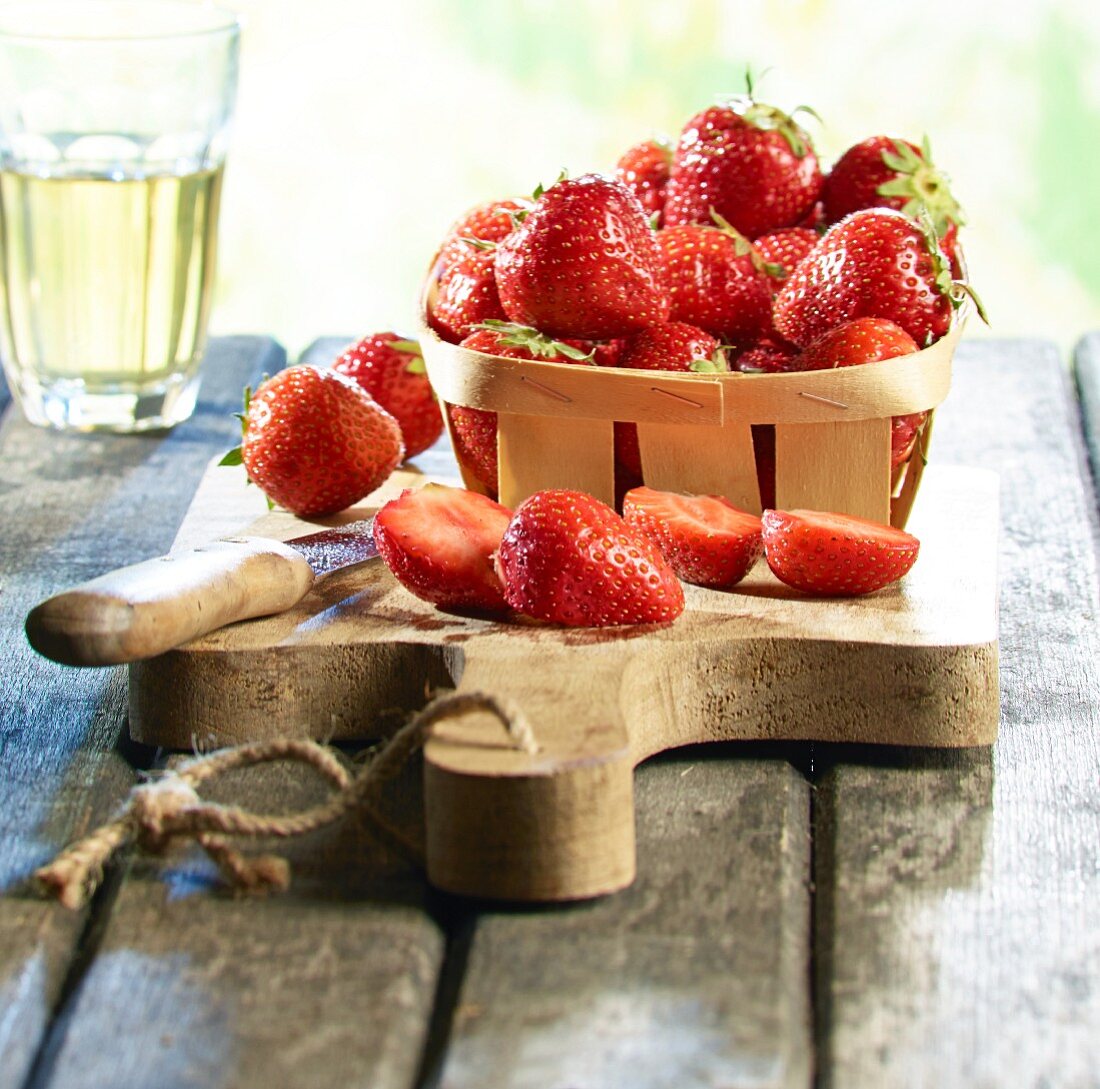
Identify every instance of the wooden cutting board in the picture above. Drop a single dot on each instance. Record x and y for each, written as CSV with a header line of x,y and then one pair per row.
x,y
915,664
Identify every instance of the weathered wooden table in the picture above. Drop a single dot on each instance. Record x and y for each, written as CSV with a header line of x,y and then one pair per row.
x,y
803,916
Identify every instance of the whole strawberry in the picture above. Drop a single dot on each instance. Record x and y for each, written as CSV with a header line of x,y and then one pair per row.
x,y
748,161
645,169
486,223
391,369
584,263
475,429
570,559
315,442
866,340
466,297
785,249
717,282
439,543
835,555
876,263
884,172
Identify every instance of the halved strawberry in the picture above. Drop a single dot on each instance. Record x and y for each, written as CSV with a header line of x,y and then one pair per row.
x,y
835,555
705,538
570,559
439,543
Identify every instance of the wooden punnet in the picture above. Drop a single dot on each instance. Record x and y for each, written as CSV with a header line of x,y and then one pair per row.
x,y
695,431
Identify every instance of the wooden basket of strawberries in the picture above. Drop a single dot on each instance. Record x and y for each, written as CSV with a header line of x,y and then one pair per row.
x,y
724,320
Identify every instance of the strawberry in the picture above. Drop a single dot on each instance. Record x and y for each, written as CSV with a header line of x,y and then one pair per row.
x,y
767,357
490,222
475,429
717,282
570,559
644,169
876,263
391,369
866,340
584,263
439,544
786,248
316,442
672,346
883,172
835,554
607,353
466,297
705,538
628,454
748,161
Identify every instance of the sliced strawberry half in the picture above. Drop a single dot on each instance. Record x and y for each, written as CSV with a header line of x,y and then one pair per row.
x,y
835,555
439,543
705,538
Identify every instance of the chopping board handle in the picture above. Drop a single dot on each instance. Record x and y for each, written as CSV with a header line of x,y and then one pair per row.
x,y
146,609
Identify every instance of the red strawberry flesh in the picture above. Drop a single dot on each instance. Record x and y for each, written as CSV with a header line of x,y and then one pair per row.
x,y
439,543
705,538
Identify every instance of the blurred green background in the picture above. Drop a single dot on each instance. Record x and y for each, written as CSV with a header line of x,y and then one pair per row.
x,y
364,130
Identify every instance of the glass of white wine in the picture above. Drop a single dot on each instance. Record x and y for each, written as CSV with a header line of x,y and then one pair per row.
x,y
114,122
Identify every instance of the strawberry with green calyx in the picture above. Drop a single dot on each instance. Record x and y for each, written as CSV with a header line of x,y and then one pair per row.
x,y
706,540
718,282
486,223
583,263
645,169
835,555
475,429
315,442
671,346
439,543
883,171
569,559
467,295
391,369
750,162
867,340
876,263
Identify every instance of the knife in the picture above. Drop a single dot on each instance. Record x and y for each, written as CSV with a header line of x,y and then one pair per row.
x,y
150,607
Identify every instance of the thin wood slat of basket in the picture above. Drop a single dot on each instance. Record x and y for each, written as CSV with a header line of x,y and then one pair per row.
x,y
538,452
841,466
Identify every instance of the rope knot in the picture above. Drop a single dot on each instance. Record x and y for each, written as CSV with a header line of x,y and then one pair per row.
x,y
156,809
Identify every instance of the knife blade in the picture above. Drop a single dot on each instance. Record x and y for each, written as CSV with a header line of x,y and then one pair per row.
x,y
151,607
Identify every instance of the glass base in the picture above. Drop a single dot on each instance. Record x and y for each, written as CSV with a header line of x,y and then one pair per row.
x,y
73,405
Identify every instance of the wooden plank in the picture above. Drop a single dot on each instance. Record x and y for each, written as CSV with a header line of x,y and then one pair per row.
x,y
1086,360
73,506
330,984
696,975
958,897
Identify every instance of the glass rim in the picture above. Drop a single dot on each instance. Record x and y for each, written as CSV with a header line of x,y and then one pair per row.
x,y
224,21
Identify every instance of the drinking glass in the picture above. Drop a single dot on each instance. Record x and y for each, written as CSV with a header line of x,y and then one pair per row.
x,y
114,122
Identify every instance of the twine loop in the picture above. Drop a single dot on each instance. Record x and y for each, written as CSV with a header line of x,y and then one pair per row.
x,y
169,808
